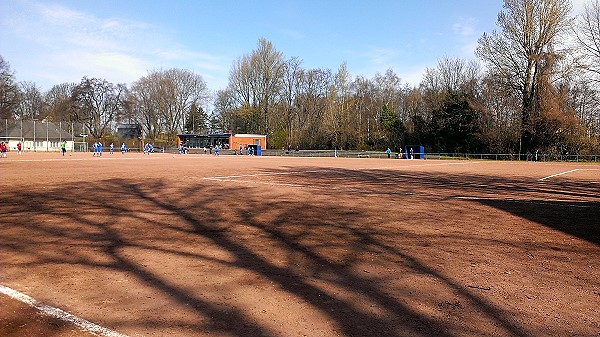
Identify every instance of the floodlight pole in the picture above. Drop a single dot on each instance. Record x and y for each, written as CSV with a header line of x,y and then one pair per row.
x,y
34,147
47,139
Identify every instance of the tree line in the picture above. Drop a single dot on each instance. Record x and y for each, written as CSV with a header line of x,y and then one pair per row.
x,y
535,87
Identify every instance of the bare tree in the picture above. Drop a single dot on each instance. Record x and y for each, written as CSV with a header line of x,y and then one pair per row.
x,y
97,103
144,108
585,100
9,90
256,83
452,75
31,102
337,117
313,90
58,104
587,31
268,66
225,111
163,100
289,95
529,29
365,109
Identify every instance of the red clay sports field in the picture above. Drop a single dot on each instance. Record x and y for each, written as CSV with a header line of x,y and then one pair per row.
x,y
197,245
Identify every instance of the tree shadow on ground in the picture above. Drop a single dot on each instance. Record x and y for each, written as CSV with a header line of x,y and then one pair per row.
x,y
113,217
579,219
572,207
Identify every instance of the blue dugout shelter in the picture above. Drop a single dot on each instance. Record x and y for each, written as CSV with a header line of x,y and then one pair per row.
x,y
414,152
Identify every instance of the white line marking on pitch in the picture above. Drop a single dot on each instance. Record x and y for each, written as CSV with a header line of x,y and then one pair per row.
x,y
82,159
558,174
60,314
566,203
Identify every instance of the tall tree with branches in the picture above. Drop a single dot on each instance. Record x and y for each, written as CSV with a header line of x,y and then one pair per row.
x,y
9,90
97,103
587,31
529,29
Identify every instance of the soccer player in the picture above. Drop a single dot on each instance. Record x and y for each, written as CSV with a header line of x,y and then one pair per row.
x,y
3,149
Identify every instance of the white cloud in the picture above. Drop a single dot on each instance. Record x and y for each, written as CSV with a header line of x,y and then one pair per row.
x,y
51,44
467,35
382,57
414,75
465,27
121,67
60,15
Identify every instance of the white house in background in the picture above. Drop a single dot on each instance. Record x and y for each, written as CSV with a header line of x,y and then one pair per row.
x,y
39,136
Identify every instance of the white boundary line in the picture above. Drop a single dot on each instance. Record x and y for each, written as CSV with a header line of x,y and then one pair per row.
x,y
569,203
77,159
558,174
60,314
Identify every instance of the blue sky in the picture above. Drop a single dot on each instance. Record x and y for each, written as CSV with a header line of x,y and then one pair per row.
x,y
52,42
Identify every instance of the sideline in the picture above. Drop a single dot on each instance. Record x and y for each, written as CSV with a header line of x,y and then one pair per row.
x,y
77,159
558,174
60,314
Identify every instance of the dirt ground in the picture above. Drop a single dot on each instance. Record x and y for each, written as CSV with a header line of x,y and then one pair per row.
x,y
197,245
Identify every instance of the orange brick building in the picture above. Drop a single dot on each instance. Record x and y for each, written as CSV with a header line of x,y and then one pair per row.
x,y
227,140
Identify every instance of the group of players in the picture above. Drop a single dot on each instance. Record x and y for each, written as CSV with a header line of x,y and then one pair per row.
x,y
98,148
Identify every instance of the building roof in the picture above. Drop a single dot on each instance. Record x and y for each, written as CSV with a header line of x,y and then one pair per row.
x,y
43,130
247,135
213,135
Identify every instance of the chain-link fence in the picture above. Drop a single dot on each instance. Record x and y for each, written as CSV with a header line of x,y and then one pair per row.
x,y
437,156
42,135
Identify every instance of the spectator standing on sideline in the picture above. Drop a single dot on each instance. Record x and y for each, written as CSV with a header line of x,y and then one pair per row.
x,y
389,152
